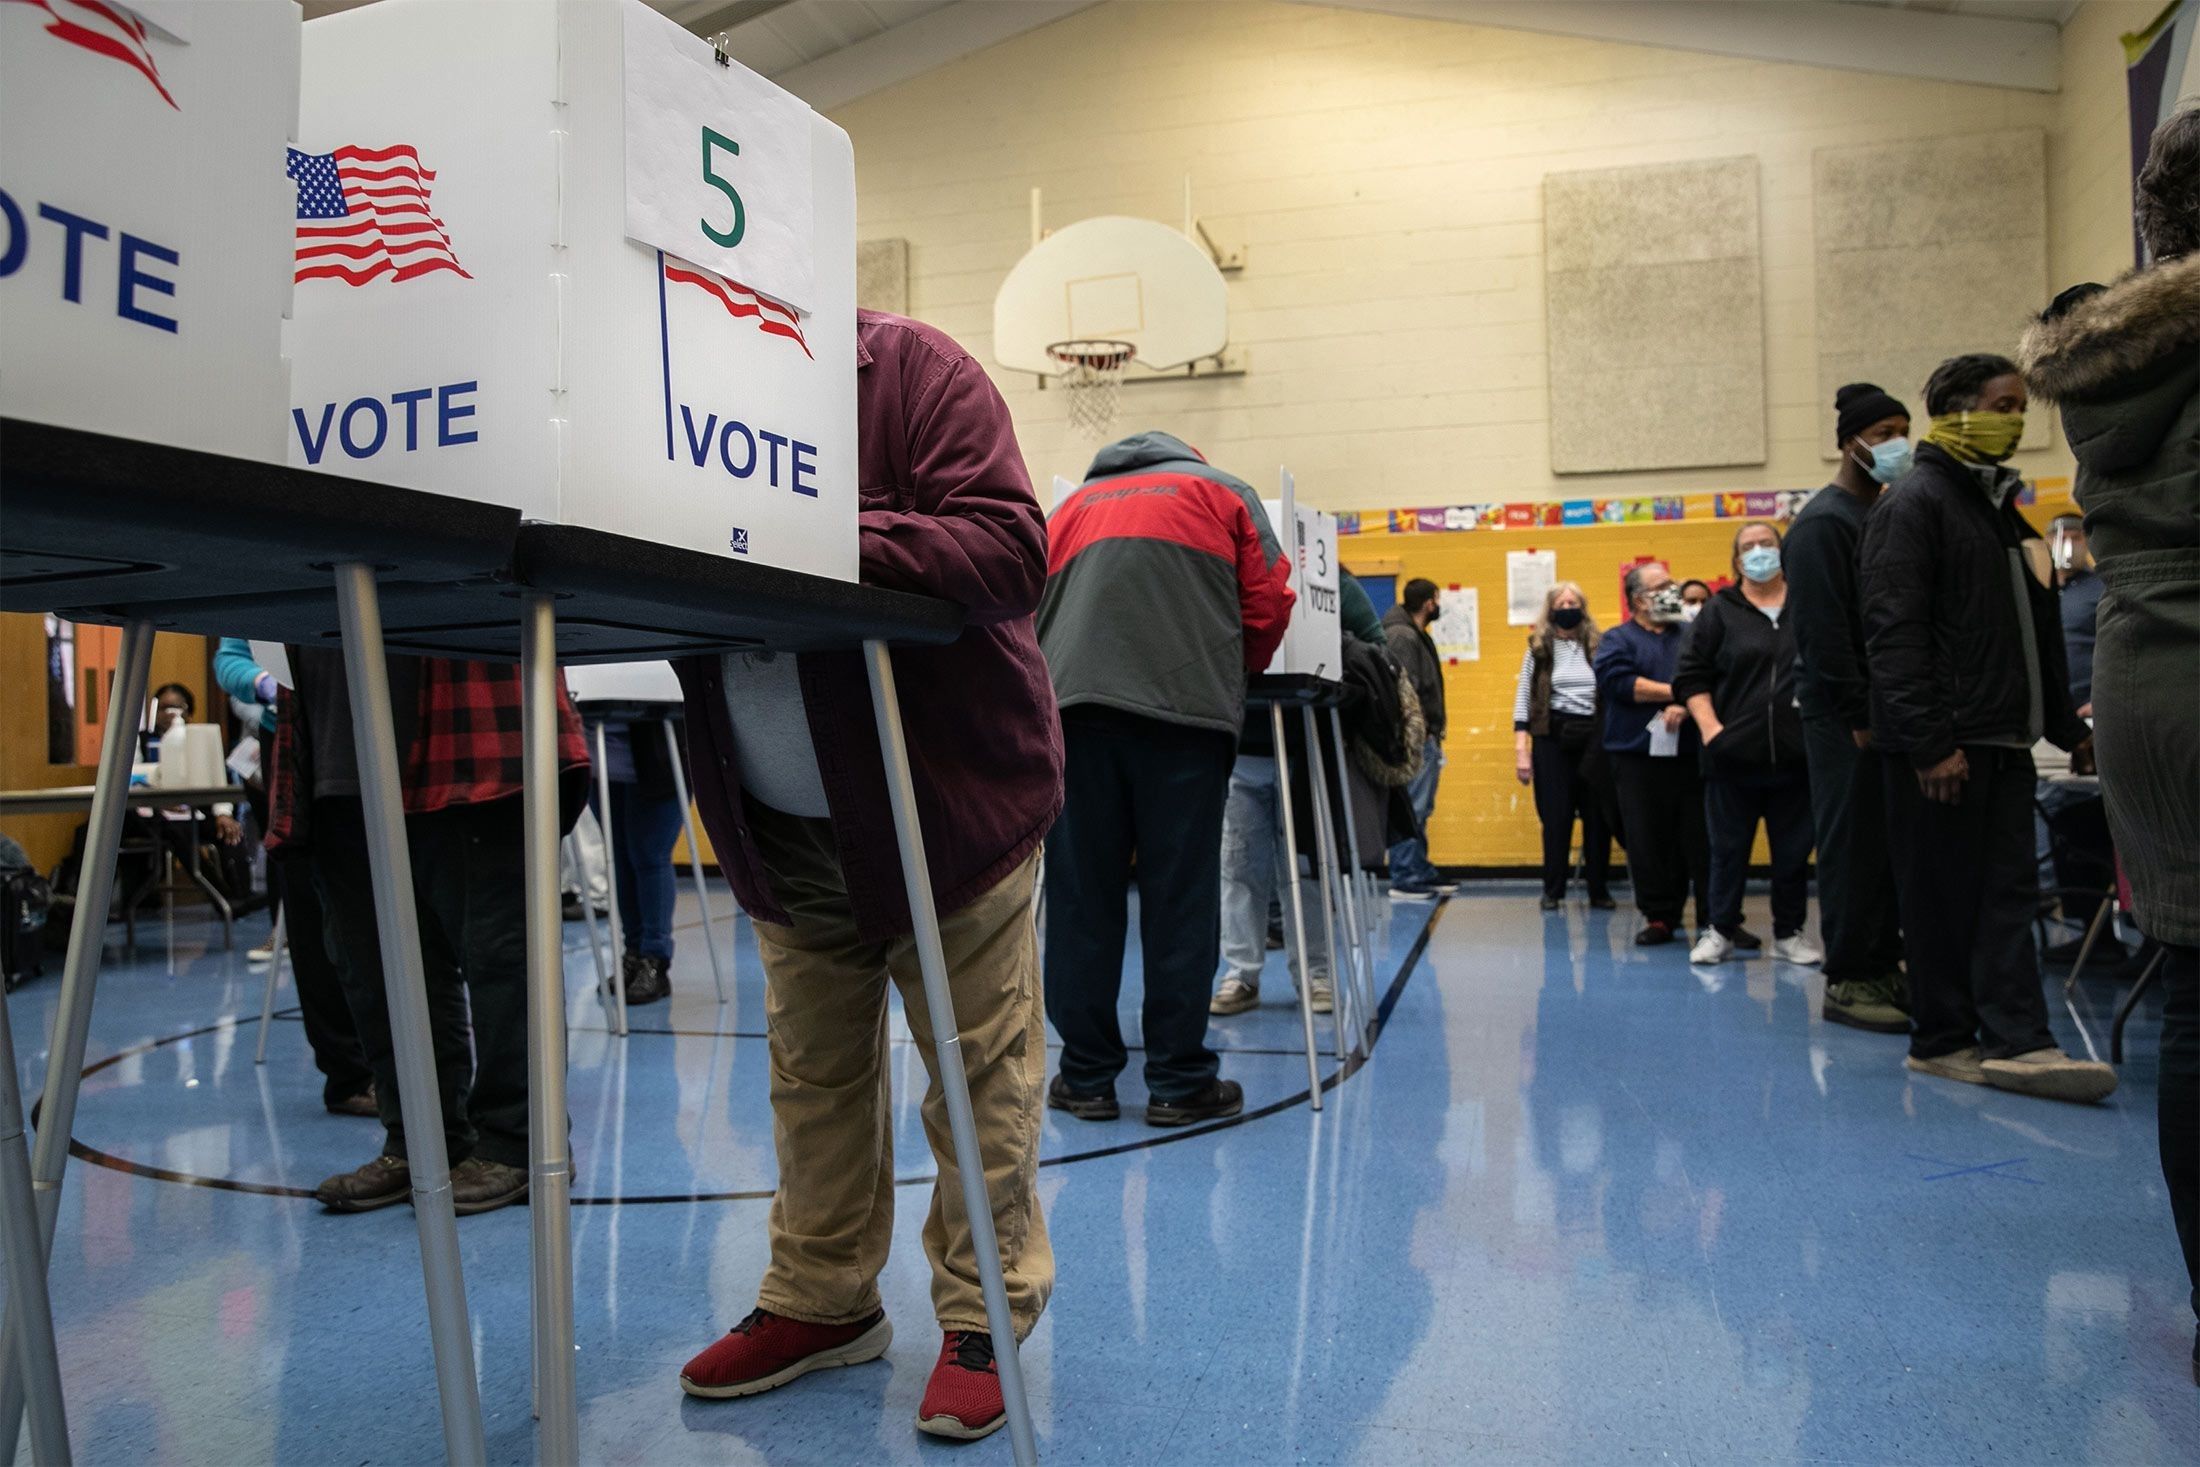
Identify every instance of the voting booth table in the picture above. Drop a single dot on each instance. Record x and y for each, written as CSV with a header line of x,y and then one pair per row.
x,y
638,694
1306,673
583,395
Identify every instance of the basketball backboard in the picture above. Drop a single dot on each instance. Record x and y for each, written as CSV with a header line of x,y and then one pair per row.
x,y
1112,278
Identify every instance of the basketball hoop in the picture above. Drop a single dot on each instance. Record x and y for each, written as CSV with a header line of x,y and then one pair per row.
x,y
1092,372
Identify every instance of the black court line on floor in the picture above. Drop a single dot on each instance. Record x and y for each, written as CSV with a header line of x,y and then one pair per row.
x,y
1353,1064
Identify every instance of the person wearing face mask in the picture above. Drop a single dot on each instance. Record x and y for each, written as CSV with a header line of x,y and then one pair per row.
x,y
1652,749
2079,824
1967,671
1554,719
1737,678
1695,596
1865,986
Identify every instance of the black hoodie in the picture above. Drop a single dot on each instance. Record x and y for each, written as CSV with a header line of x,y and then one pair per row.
x,y
1746,662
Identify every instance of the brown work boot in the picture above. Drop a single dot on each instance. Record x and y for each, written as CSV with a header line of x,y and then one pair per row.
x,y
2052,1075
380,1183
481,1185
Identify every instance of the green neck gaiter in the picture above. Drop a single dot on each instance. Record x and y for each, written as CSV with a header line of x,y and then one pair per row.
x,y
1978,438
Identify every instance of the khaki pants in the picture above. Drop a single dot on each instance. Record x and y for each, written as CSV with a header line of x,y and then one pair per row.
x,y
825,999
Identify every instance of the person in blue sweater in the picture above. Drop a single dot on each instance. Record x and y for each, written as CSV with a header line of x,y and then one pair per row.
x,y
347,1085
1653,751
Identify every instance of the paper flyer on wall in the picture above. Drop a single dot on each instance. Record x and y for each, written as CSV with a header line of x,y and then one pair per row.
x,y
1529,575
1457,630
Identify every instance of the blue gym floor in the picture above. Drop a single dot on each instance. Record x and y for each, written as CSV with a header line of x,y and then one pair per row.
x,y
1584,1204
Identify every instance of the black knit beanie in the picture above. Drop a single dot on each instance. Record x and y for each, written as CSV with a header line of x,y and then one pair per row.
x,y
1858,406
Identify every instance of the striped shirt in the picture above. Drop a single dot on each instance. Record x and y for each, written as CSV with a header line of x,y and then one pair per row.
x,y
1573,682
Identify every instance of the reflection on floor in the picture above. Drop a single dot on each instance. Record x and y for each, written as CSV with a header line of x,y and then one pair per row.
x,y
1585,1204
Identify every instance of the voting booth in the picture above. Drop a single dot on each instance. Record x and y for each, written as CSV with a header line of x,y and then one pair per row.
x,y
144,239
564,257
1313,642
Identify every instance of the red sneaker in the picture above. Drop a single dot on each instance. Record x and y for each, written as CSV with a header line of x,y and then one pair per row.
x,y
963,1398
767,1350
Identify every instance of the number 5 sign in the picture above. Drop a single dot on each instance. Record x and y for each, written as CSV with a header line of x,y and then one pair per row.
x,y
717,162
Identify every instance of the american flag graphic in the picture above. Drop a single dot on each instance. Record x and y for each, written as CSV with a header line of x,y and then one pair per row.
x,y
105,30
772,318
364,213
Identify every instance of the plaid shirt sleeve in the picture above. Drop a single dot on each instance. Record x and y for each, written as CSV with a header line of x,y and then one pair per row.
x,y
466,749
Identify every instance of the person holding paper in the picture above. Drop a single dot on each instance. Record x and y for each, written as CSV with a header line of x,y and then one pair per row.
x,y
1652,749
1737,677
1967,673
792,789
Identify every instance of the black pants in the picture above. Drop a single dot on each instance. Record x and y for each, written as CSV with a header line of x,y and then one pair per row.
x,y
1136,787
2179,1100
1661,806
321,1001
1561,795
1735,799
1969,886
467,868
1856,900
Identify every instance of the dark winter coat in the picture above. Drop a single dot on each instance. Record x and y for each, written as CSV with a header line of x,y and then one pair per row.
x,y
1746,662
1960,634
1819,556
2124,364
1416,653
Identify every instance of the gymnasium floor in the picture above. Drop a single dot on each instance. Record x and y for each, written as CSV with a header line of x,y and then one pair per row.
x,y
1583,1205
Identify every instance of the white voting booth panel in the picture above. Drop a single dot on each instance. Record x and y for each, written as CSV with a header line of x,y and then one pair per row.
x,y
624,682
1314,641
144,236
614,286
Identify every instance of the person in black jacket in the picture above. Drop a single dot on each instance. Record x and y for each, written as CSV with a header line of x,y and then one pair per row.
x,y
1967,673
1865,986
1737,676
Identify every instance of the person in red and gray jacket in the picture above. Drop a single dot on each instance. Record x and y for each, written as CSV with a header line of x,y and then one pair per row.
x,y
792,789
1166,588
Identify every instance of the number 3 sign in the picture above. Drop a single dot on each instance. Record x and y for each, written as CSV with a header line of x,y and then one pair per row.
x,y
746,213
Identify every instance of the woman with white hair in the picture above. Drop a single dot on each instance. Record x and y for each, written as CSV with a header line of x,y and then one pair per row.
x,y
1554,723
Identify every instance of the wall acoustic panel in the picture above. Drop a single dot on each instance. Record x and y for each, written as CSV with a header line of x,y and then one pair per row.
x,y
1655,299
1926,250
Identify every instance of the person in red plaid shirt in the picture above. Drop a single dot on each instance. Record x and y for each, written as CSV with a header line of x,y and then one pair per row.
x,y
458,740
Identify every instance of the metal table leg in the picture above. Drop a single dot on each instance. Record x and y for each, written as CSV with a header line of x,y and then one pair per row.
x,y
359,615
611,871
550,1170
588,916
695,856
2130,1001
939,1002
1325,865
1356,892
1298,906
34,1348
79,977
267,999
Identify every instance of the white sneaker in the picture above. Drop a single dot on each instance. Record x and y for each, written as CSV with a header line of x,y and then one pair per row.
x,y
261,956
1713,947
1799,950
1235,996
1324,998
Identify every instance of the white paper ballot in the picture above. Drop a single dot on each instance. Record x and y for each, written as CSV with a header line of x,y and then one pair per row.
x,y
1665,743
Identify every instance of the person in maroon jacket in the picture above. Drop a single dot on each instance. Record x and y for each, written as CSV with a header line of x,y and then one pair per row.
x,y
792,789
1166,588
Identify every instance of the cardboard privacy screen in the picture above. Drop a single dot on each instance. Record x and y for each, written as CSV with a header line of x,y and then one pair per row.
x,y
144,236
556,256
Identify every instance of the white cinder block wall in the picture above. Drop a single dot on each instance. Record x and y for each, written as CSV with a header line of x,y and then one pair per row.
x,y
1385,175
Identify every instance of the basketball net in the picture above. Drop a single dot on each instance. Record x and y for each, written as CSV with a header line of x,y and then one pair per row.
x,y
1091,375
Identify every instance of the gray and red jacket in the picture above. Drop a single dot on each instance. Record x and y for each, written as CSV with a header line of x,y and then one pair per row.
x,y
1166,586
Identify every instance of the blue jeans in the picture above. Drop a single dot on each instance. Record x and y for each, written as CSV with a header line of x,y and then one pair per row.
x,y
1409,863
643,830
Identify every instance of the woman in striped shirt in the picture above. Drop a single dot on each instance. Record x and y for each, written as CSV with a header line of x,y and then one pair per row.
x,y
1554,723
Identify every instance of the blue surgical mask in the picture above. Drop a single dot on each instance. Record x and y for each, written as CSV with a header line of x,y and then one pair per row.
x,y
1761,562
1889,460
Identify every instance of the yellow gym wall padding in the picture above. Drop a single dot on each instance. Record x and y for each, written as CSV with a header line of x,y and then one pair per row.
x,y
1484,816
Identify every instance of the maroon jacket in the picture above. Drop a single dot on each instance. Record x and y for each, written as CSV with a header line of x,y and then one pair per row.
x,y
947,510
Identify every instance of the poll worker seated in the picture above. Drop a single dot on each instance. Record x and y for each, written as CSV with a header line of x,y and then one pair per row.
x,y
1967,672
792,789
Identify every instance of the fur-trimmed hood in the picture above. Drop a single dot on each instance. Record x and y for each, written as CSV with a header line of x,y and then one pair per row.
x,y
2091,344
